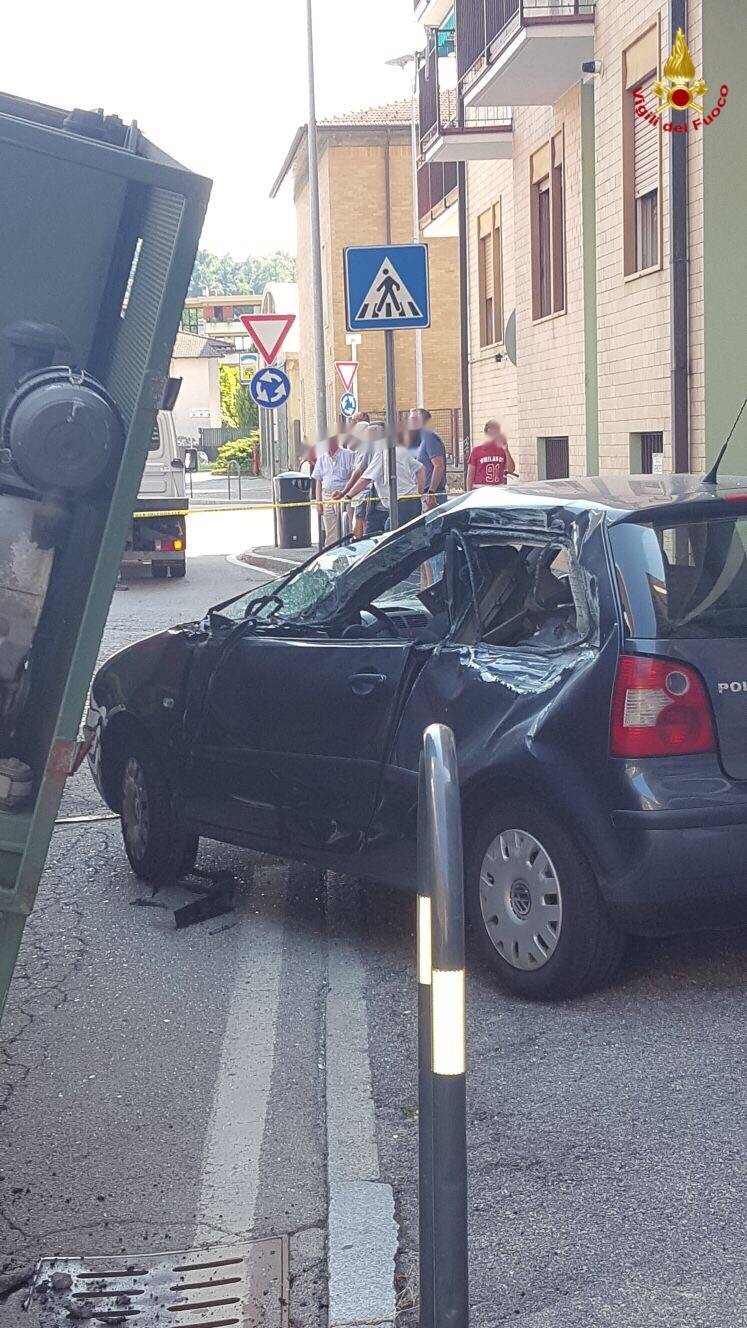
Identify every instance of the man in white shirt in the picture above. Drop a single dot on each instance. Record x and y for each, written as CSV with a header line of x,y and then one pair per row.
x,y
333,469
410,480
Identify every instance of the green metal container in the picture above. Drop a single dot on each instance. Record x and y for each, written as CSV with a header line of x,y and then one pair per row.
x,y
100,231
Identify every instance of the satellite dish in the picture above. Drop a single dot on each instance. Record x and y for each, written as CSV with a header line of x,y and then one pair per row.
x,y
509,337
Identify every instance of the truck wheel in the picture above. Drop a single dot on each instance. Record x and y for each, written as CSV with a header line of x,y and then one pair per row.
x,y
157,849
179,570
535,907
160,571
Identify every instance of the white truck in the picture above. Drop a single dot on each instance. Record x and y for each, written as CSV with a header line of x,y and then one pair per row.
x,y
157,538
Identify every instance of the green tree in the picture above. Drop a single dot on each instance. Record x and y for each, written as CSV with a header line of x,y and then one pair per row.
x,y
247,411
221,274
230,392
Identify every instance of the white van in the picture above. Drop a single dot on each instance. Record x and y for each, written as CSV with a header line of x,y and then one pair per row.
x,y
157,538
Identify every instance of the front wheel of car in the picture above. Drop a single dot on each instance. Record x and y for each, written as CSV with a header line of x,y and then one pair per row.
x,y
535,908
158,851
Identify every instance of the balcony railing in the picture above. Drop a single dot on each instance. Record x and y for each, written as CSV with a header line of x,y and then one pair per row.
x,y
440,109
436,182
484,27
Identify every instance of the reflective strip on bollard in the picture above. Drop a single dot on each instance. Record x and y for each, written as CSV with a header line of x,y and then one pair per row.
x,y
424,940
448,1021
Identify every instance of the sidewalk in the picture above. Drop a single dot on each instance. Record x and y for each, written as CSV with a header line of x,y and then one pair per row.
x,y
271,559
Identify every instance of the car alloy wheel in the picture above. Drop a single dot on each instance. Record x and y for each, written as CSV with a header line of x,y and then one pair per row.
x,y
521,900
135,808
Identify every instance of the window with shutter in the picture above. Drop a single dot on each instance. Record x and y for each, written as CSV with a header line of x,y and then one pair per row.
x,y
641,156
548,229
489,276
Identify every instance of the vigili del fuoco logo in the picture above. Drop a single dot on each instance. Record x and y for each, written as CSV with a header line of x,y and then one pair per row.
x,y
679,90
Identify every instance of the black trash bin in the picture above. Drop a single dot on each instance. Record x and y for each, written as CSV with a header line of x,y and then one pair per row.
x,y
294,523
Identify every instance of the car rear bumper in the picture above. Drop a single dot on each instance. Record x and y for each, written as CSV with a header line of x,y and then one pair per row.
x,y
685,869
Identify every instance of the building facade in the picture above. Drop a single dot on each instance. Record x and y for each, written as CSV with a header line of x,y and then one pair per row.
x,y
220,316
365,184
196,360
597,276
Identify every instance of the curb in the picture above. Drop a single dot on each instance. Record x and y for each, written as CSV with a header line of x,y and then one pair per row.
x,y
268,562
361,1223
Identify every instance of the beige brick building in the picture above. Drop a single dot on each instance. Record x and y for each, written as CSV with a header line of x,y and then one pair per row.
x,y
365,185
576,207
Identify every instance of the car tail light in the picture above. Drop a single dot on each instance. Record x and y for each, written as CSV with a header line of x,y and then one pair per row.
x,y
659,708
165,546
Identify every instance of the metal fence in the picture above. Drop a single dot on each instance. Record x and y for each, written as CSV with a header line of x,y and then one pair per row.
x,y
436,180
212,439
481,22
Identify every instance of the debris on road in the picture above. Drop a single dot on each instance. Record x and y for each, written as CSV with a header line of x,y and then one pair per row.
x,y
14,1280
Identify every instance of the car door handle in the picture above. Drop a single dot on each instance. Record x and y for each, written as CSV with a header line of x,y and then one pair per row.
x,y
363,683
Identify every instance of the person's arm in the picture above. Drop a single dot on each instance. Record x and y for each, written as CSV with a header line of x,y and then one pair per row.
x,y
510,463
358,486
420,477
439,470
319,494
437,454
347,492
470,476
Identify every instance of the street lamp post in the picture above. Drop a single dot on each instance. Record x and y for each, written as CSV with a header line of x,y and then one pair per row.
x,y
317,289
402,62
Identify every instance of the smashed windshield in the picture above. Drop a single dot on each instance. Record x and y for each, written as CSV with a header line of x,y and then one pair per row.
x,y
323,588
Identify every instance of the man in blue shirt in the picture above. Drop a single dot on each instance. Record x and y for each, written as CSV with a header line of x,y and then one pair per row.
x,y
431,454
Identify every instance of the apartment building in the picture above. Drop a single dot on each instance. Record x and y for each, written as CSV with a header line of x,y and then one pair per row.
x,y
365,185
605,305
220,316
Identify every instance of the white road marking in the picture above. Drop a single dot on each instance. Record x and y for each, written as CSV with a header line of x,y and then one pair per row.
x,y
230,1170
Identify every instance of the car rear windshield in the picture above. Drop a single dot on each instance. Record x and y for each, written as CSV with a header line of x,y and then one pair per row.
x,y
686,580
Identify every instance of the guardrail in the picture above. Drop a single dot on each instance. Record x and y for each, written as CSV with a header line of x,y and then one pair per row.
x,y
442,1114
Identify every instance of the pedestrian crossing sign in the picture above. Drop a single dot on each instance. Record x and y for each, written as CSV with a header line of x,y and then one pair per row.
x,y
386,287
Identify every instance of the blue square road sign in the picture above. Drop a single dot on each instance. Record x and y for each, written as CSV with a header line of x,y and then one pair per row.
x,y
386,287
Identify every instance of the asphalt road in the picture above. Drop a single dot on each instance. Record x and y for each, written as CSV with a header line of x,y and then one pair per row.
x,y
160,1089
213,490
606,1138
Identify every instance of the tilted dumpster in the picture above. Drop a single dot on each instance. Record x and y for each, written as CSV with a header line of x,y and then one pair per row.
x,y
100,231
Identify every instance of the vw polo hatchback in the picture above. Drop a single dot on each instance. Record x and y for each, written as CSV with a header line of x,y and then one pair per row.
x,y
585,639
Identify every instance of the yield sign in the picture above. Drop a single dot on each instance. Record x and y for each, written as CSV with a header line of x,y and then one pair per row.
x,y
268,332
347,369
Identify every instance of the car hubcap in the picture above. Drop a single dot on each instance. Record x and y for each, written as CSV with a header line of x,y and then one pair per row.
x,y
135,811
520,899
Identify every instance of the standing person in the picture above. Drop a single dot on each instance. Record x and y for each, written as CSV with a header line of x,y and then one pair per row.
x,y
410,479
490,461
361,448
431,454
334,466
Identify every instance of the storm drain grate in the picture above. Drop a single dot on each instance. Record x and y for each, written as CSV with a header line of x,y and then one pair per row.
x,y
243,1286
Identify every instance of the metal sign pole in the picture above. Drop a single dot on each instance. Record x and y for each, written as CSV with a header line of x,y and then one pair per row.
x,y
391,421
448,1030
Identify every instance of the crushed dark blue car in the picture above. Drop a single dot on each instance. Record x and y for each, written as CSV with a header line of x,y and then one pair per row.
x,y
586,640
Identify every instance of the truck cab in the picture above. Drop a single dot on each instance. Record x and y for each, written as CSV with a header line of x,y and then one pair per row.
x,y
157,538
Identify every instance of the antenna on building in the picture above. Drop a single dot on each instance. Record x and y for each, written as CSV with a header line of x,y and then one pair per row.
x,y
712,476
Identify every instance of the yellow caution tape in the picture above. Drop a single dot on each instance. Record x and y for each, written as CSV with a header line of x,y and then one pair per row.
x,y
170,513
268,506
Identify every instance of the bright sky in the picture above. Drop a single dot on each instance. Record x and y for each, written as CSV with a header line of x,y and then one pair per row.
x,y
221,87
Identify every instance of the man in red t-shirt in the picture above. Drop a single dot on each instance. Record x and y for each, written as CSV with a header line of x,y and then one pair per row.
x,y
490,461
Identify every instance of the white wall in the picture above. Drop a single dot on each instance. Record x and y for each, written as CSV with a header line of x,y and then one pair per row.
x,y
200,390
